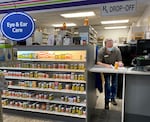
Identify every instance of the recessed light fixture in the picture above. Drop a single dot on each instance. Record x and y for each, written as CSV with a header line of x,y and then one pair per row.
x,y
116,27
115,21
61,25
79,14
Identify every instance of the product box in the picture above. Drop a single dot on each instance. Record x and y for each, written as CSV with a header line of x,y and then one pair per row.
x,y
5,52
84,38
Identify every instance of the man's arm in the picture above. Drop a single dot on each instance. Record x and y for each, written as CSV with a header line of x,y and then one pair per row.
x,y
104,64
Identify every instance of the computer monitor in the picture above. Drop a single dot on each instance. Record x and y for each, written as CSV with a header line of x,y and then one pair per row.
x,y
143,47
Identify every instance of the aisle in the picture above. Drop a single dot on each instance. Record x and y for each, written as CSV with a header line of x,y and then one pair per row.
x,y
102,115
15,118
100,102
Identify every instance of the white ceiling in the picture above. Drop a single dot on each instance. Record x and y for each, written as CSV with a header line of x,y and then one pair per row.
x,y
45,18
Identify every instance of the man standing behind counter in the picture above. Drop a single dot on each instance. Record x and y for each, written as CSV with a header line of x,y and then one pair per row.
x,y
107,57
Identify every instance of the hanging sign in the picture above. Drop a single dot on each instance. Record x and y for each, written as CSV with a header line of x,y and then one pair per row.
x,y
118,8
17,26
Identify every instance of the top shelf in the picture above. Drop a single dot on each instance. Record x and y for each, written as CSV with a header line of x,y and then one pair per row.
x,y
69,56
59,60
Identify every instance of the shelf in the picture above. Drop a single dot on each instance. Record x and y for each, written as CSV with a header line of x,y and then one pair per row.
x,y
92,29
92,37
54,60
44,111
45,79
57,101
92,42
48,90
42,69
45,33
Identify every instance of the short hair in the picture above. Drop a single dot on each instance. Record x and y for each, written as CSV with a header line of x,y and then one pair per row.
x,y
107,40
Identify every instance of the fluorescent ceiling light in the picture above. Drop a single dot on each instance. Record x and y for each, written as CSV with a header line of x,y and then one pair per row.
x,y
80,14
115,21
116,27
61,25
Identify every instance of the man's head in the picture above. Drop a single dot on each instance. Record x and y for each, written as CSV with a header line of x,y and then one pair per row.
x,y
109,44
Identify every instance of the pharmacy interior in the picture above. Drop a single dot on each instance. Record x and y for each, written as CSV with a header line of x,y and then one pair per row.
x,y
51,72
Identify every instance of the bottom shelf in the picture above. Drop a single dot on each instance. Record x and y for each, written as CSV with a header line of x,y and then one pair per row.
x,y
44,111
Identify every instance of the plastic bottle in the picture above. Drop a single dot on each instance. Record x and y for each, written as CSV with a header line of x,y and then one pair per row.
x,y
86,21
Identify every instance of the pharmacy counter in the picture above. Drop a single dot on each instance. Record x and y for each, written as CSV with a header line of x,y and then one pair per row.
x,y
137,96
98,68
136,93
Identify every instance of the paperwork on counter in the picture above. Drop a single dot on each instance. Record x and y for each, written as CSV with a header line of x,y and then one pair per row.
x,y
98,68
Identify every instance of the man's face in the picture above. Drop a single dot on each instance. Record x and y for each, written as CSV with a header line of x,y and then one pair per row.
x,y
109,44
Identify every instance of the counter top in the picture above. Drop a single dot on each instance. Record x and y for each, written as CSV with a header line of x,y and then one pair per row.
x,y
132,71
98,68
120,70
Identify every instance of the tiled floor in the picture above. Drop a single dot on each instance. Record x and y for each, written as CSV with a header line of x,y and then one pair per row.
x,y
15,118
100,102
101,115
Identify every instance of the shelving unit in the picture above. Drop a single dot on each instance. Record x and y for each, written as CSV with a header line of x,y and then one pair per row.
x,y
43,84
45,35
2,87
88,33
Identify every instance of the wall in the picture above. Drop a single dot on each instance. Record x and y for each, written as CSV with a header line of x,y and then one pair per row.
x,y
114,34
142,25
145,18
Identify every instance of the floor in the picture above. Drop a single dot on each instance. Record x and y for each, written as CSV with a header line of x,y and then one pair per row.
x,y
100,102
101,115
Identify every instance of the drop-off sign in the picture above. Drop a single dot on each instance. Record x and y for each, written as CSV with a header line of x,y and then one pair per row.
x,y
117,8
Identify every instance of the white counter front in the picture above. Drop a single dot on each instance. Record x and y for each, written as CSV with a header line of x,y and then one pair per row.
x,y
135,92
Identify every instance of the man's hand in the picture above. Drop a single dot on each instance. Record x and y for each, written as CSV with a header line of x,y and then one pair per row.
x,y
120,64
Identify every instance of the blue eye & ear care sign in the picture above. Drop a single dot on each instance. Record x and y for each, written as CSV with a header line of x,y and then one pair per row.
x,y
17,26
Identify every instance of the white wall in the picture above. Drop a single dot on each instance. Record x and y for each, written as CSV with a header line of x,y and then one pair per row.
x,y
145,18
142,25
114,34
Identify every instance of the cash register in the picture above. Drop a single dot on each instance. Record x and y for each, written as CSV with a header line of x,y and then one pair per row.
x,y
142,59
